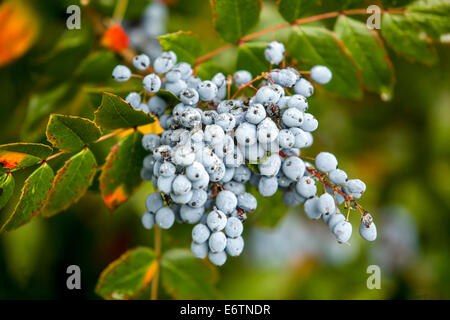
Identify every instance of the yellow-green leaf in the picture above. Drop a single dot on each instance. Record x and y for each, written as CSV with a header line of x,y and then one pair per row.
x,y
34,193
70,182
7,184
127,276
71,133
121,173
115,113
15,156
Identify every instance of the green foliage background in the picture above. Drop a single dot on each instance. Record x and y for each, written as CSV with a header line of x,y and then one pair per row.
x,y
400,148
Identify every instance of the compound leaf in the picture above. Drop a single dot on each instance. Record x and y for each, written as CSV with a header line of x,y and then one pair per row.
x,y
34,193
121,173
251,58
15,156
7,184
294,9
184,44
432,16
71,133
319,46
70,182
234,18
127,276
406,39
369,53
186,277
115,113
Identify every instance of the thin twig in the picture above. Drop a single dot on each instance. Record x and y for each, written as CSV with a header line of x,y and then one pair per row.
x,y
297,22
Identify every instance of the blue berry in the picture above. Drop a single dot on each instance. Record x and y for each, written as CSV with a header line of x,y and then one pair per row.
x,y
235,246
200,250
274,52
234,227
304,88
148,220
141,62
121,73
165,218
152,83
217,242
242,77
326,162
218,258
321,74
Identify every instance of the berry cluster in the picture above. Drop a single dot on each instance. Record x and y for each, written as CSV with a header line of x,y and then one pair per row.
x,y
213,146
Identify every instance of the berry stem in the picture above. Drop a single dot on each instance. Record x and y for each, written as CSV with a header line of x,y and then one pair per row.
x,y
297,22
155,281
262,76
322,177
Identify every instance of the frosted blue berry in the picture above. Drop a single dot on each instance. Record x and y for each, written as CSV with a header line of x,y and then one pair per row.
x,y
326,204
200,233
247,202
165,218
200,250
216,220
242,77
368,233
217,242
343,231
234,227
255,113
218,258
299,102
321,74
191,215
175,87
157,106
153,202
148,220
152,83
134,99
274,52
312,208
235,246
226,201
293,168
207,90
162,65
306,187
121,73
326,162
198,199
292,117
304,88
338,176
141,62
189,96
268,186
286,138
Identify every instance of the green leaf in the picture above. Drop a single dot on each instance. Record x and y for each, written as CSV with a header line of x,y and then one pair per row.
x,y
405,38
70,182
369,53
115,113
208,69
168,97
234,18
432,16
122,89
34,193
395,3
121,173
184,44
97,66
71,133
127,276
294,9
7,185
316,45
15,156
251,58
270,210
186,277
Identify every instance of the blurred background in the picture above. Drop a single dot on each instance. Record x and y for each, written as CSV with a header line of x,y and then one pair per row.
x,y
400,148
